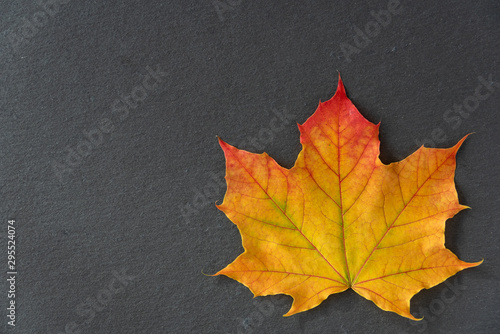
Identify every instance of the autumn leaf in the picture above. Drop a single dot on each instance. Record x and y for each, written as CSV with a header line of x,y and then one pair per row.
x,y
340,218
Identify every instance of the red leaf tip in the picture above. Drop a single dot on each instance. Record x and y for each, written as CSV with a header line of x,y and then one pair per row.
x,y
221,142
340,87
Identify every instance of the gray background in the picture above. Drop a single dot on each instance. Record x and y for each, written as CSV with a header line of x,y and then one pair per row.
x,y
140,200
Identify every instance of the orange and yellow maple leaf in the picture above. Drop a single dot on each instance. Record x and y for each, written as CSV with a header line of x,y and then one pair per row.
x,y
340,218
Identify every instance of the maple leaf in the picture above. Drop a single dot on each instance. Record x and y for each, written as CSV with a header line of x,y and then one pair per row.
x,y
340,218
